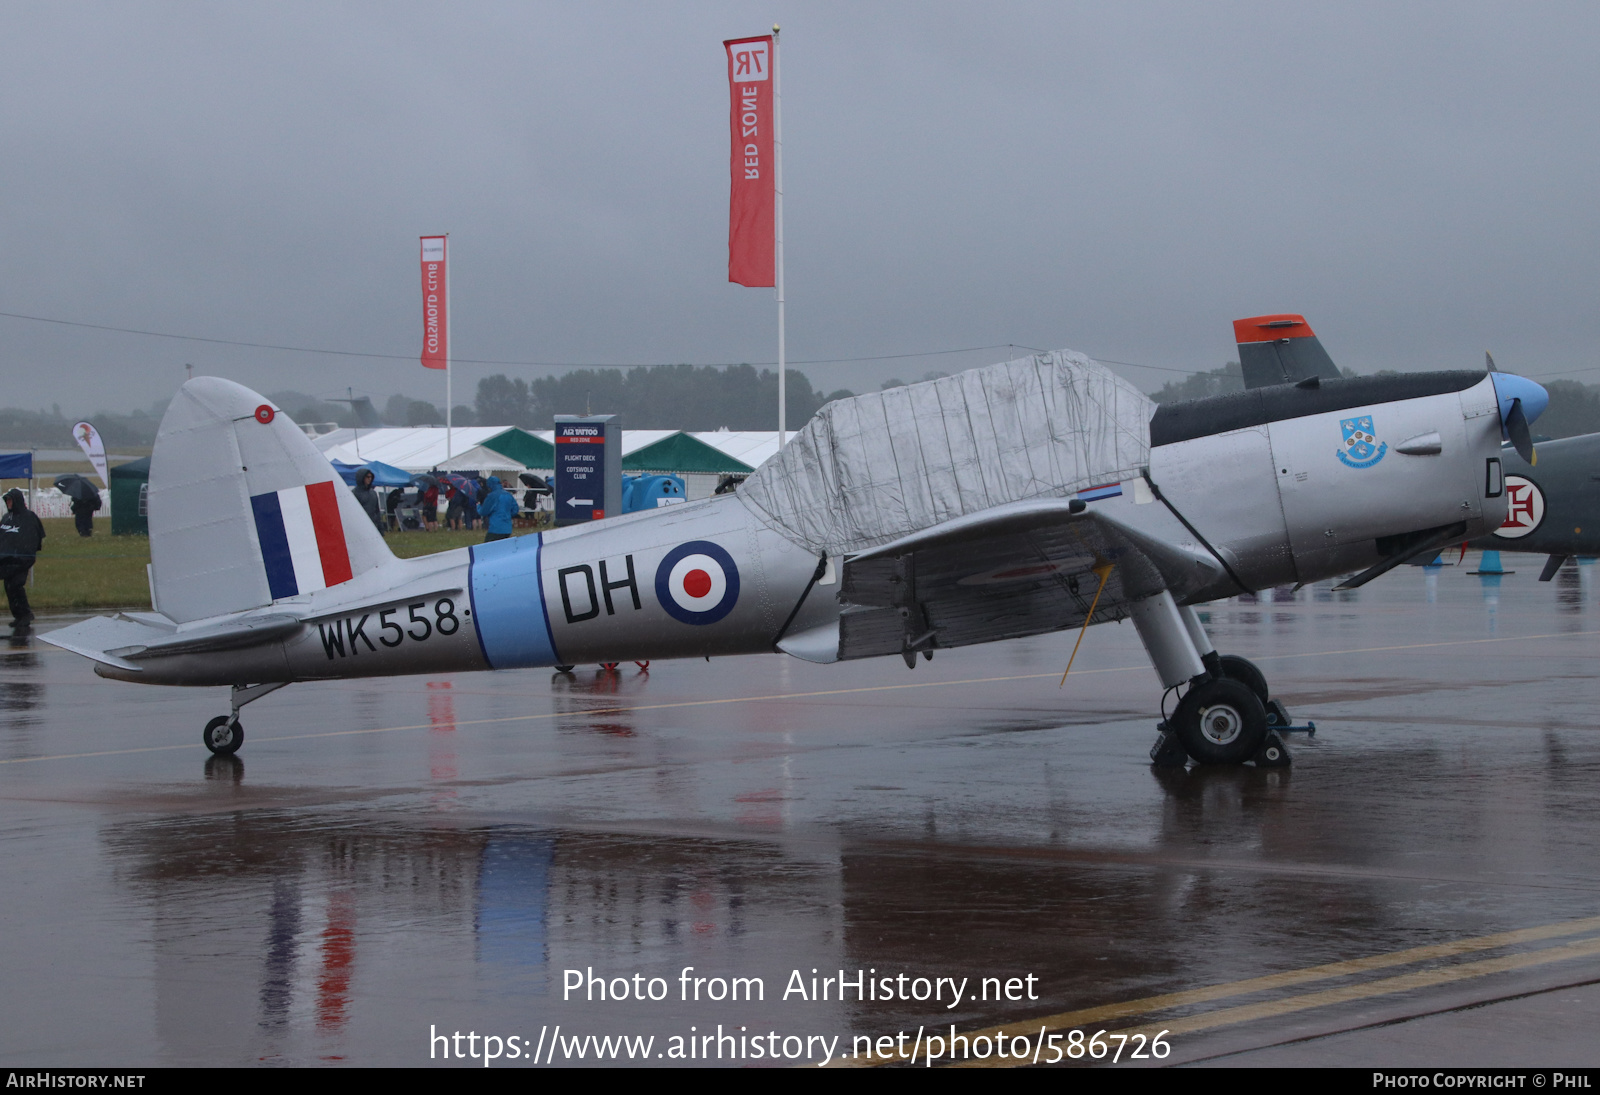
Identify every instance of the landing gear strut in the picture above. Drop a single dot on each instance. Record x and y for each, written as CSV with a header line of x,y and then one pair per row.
x,y
1227,714
223,735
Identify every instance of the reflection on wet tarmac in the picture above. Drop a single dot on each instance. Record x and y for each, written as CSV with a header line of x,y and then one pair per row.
x,y
593,695
1490,584
968,819
345,903
225,769
277,970
21,699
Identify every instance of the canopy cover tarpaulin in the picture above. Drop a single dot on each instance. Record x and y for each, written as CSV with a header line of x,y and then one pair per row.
x,y
870,469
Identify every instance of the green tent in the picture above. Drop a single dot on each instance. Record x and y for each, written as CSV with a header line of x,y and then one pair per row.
x,y
682,453
523,447
130,484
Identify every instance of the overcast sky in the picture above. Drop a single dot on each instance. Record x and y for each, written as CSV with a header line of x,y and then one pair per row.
x,y
1124,179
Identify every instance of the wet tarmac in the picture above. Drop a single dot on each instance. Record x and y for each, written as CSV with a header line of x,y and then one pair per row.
x,y
390,860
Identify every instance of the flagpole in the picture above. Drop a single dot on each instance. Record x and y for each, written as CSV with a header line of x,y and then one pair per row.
x,y
449,353
777,142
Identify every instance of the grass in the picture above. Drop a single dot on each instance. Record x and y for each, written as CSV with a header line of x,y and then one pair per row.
x,y
408,545
105,571
87,572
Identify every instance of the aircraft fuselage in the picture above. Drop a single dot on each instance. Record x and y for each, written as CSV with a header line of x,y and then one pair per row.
x,y
1287,485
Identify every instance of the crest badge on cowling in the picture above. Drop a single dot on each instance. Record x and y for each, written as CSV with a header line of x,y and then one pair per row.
x,y
1361,449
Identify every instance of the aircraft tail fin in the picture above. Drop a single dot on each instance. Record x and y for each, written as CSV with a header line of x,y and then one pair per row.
x,y
1280,349
244,510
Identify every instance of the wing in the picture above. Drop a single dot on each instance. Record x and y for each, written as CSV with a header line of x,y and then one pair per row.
x,y
1018,569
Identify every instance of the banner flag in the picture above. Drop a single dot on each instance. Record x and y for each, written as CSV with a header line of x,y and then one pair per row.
x,y
435,305
94,448
751,224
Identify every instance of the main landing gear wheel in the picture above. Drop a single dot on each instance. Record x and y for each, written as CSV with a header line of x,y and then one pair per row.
x,y
1220,722
1245,672
562,668
223,735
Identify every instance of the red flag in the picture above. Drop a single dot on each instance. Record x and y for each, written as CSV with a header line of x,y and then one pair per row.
x,y
751,200
435,304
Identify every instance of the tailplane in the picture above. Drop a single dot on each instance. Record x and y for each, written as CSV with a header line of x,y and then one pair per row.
x,y
1280,350
244,510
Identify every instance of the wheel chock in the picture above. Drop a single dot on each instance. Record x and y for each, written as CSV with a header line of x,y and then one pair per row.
x,y
1273,752
1166,752
1278,719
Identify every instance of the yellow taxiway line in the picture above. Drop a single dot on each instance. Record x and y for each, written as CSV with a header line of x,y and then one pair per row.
x,y
1085,1017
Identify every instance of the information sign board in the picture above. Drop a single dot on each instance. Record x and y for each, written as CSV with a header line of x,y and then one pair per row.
x,y
588,481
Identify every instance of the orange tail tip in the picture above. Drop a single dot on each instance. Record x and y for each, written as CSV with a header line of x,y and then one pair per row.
x,y
1271,328
1280,349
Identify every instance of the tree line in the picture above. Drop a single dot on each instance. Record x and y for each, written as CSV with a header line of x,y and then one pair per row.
x,y
656,397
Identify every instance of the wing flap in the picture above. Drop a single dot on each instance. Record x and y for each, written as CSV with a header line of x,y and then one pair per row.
x,y
1020,569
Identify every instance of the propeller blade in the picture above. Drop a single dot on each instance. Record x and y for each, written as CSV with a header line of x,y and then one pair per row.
x,y
1521,436
1489,360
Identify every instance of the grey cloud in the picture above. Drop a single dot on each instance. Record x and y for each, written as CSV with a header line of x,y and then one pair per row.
x,y
1121,179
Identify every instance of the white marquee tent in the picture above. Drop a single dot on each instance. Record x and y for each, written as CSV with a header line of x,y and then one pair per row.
x,y
421,448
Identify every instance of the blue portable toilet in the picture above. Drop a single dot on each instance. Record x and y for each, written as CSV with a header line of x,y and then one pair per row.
x,y
651,492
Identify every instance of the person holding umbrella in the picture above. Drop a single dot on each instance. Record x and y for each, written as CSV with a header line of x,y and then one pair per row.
x,y
430,498
456,511
463,507
85,501
21,537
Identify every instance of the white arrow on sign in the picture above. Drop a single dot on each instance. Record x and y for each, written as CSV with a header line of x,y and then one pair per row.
x,y
581,502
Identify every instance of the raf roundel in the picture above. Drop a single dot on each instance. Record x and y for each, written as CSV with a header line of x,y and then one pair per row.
x,y
264,413
697,583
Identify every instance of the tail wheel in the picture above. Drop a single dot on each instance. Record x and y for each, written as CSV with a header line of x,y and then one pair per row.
x,y
1220,722
1245,672
610,667
643,665
223,735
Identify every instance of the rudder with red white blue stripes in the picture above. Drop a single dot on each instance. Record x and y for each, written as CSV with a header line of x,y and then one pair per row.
x,y
302,539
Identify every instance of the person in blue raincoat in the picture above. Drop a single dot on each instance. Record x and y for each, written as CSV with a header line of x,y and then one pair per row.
x,y
497,509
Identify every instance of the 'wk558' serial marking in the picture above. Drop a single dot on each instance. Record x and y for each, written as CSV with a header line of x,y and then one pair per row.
x,y
344,637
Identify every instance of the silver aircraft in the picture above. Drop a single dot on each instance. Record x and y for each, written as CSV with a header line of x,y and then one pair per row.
x,y
1026,497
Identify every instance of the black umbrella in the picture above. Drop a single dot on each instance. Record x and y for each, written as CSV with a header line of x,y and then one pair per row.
x,y
77,488
424,482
